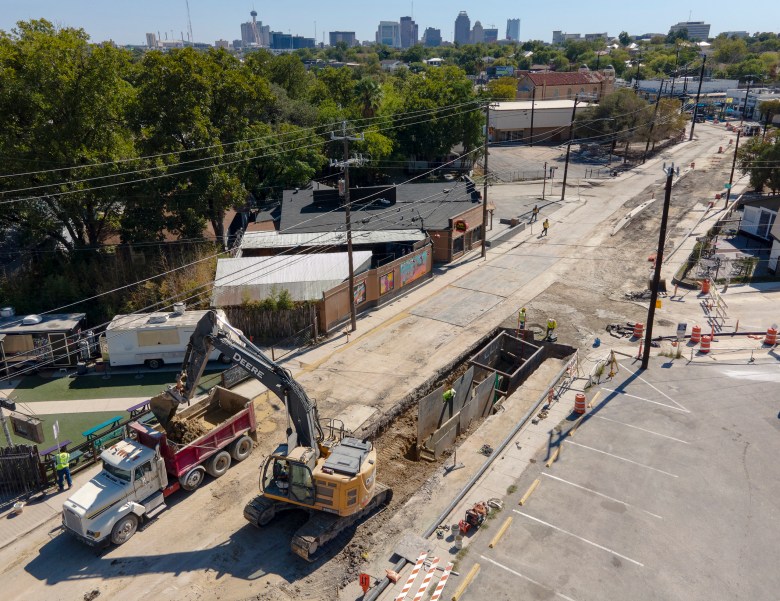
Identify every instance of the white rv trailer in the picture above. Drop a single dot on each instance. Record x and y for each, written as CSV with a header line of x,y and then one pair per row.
x,y
151,339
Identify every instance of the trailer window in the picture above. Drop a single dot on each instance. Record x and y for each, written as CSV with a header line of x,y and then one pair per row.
x,y
158,337
116,472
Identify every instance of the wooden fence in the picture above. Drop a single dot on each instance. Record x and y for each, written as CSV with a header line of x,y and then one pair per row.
x,y
20,472
265,326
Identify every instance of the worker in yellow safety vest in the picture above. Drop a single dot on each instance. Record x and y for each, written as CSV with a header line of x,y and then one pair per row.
x,y
449,394
521,319
551,325
62,465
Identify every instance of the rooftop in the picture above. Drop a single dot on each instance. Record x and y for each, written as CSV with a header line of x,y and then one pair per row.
x,y
574,78
431,205
159,320
272,239
49,322
525,105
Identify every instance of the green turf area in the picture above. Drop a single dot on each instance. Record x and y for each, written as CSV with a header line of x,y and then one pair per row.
x,y
36,388
71,426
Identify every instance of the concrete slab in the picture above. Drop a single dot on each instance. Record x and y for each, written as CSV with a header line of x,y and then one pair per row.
x,y
456,306
502,282
355,415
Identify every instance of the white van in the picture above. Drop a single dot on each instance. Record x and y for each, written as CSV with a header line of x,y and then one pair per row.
x,y
152,339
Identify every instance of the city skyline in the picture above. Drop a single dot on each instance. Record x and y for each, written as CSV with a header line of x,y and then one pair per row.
x,y
129,25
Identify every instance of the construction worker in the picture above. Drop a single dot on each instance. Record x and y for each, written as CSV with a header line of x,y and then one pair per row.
x,y
551,325
62,466
449,394
545,226
521,319
535,213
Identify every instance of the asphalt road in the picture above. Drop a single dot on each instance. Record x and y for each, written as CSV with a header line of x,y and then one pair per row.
x,y
667,491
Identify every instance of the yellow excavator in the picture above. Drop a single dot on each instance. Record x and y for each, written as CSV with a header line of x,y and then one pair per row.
x,y
319,469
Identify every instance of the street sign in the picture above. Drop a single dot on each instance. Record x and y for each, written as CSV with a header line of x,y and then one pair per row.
x,y
727,186
681,329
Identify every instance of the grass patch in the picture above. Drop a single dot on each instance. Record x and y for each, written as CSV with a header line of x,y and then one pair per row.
x,y
511,490
461,554
35,388
71,426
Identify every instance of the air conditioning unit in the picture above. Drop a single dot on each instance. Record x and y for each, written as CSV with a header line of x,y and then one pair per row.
x,y
157,319
7,312
32,320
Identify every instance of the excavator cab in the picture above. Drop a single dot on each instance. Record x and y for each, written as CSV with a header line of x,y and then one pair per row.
x,y
288,480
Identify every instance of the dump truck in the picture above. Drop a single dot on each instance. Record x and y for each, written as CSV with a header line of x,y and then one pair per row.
x,y
141,471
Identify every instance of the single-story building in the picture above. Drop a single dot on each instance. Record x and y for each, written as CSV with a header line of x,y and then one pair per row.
x,y
550,119
305,277
52,338
450,212
758,216
382,242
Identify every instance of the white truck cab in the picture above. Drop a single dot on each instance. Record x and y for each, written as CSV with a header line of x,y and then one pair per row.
x,y
129,489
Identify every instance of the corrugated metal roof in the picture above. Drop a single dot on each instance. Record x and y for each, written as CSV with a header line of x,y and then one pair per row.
x,y
305,277
277,240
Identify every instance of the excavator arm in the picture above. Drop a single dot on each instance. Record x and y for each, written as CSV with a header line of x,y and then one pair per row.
x,y
213,332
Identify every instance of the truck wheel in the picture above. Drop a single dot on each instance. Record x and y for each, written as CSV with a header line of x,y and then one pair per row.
x,y
154,363
241,449
218,464
124,529
192,479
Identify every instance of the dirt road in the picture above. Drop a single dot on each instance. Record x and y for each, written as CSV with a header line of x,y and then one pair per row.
x,y
202,549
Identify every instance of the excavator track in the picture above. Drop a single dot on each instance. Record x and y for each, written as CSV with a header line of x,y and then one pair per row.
x,y
322,527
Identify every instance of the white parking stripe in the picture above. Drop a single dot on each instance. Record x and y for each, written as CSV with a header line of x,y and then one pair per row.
x,y
531,580
661,392
655,469
614,421
584,540
595,492
633,396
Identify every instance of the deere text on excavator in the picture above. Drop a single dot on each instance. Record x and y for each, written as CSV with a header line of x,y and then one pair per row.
x,y
319,469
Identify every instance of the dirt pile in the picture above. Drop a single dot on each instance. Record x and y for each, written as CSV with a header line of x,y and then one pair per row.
x,y
185,431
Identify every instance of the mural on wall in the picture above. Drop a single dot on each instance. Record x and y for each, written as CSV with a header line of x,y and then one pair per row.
x,y
386,283
414,268
360,293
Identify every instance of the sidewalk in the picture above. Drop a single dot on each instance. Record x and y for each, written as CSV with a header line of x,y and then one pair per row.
x,y
39,511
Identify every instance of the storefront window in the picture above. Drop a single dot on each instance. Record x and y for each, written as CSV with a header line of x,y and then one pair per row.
x,y
457,246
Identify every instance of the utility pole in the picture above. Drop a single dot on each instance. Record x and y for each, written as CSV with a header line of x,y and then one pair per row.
x,y
568,146
544,179
659,259
747,93
485,187
652,123
674,75
698,94
733,165
345,138
533,99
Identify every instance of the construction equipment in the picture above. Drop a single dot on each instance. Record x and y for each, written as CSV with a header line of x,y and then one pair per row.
x,y
319,469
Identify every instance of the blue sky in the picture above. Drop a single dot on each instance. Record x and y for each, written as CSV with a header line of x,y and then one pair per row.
x,y
127,21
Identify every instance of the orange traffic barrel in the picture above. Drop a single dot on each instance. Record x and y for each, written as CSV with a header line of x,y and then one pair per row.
x,y
771,337
705,286
579,404
639,329
705,344
696,334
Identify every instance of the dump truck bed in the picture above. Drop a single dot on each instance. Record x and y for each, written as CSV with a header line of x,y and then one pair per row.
x,y
210,424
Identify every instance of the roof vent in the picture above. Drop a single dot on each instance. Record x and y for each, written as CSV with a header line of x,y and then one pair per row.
x,y
32,320
178,308
7,312
157,319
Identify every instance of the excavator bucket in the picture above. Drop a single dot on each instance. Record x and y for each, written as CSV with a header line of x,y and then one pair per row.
x,y
164,407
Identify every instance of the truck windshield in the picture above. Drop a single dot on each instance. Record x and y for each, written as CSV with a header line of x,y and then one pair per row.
x,y
117,472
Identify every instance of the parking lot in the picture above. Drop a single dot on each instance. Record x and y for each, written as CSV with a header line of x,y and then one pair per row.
x,y
667,490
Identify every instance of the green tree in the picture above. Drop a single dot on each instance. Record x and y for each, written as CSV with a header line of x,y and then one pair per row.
x,y
503,88
620,117
368,93
760,159
434,135
729,50
62,105
624,38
